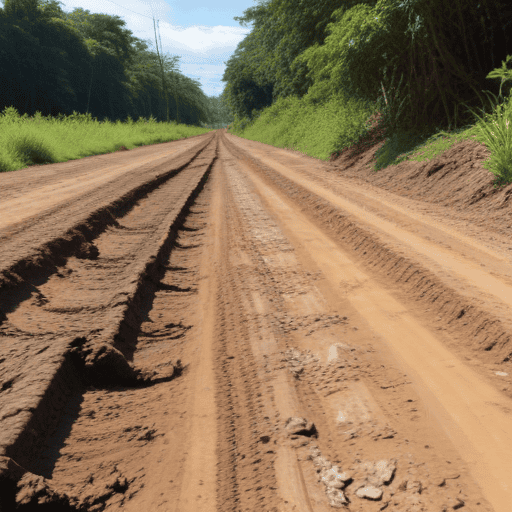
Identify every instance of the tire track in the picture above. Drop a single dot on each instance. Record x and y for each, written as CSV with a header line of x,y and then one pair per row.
x,y
439,296
50,317
384,263
198,492
245,450
32,249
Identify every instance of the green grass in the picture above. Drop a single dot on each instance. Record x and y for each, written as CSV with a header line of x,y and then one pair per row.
x,y
321,129
26,141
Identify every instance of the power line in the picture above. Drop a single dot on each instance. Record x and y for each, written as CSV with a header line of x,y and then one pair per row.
x,y
138,13
122,6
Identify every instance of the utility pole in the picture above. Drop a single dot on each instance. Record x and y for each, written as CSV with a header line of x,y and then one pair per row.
x,y
176,99
164,87
166,91
90,85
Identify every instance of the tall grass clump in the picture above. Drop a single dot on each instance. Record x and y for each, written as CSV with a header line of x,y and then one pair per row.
x,y
492,130
496,131
26,141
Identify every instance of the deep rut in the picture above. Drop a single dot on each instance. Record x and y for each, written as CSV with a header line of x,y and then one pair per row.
x,y
78,324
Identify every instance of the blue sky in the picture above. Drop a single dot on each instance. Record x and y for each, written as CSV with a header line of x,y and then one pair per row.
x,y
202,32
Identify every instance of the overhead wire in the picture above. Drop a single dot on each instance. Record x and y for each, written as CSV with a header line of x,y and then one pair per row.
x,y
145,16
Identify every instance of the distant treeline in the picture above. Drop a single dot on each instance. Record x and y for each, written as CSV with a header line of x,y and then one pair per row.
x,y
56,63
429,55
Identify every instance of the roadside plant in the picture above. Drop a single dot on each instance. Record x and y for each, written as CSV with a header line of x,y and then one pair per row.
x,y
496,130
29,149
151,119
76,117
39,140
11,115
393,108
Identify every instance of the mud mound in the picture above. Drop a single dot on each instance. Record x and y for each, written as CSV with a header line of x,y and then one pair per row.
x,y
455,179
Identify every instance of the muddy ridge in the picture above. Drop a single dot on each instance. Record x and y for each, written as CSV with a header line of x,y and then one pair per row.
x,y
462,316
101,356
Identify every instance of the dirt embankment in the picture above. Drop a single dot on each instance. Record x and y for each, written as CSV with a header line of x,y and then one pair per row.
x,y
215,324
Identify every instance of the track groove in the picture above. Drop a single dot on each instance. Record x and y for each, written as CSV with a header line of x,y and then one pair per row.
x,y
58,238
418,283
100,355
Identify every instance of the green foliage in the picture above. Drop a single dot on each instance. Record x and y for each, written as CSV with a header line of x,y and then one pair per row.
x,y
26,141
58,62
243,92
265,67
297,123
327,62
322,129
29,149
421,41
11,116
395,148
240,124
421,54
219,114
363,45
22,10
496,129
107,31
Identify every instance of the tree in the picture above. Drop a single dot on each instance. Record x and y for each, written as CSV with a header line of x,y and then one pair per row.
x,y
282,30
37,58
428,44
58,62
219,114
439,52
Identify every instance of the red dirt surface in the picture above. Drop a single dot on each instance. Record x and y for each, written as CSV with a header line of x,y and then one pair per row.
x,y
214,324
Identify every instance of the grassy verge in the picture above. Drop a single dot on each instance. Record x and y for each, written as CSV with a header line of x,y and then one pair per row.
x,y
28,141
323,129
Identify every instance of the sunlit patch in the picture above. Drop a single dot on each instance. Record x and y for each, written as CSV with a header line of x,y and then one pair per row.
x,y
333,353
342,417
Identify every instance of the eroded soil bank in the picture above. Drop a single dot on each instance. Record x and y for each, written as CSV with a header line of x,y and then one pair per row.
x,y
221,325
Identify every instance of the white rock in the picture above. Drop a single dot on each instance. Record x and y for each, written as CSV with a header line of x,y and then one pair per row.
x,y
384,470
298,425
322,461
327,476
502,374
336,484
336,498
315,451
370,492
414,486
333,478
343,476
378,473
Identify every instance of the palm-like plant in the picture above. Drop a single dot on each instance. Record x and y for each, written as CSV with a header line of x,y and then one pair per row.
x,y
495,129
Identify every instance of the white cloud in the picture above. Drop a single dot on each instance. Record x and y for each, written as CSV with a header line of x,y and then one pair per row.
x,y
200,40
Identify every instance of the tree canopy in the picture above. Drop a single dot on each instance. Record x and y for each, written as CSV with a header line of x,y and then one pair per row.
x,y
439,52
264,67
56,63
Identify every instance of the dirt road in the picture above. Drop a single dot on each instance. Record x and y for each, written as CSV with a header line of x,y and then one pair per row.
x,y
214,324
